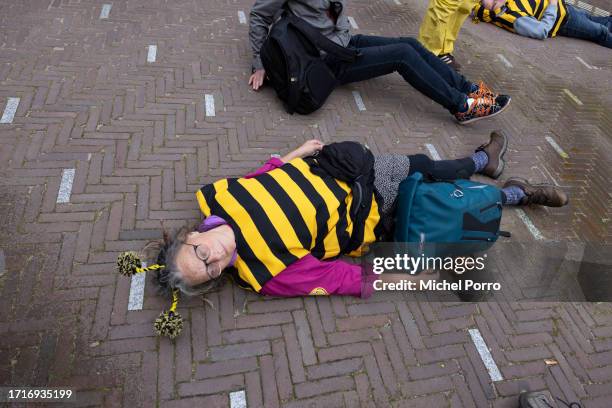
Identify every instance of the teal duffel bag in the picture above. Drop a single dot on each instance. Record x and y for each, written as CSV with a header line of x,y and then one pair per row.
x,y
463,215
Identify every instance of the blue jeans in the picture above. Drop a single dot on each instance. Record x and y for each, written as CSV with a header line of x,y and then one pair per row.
x,y
419,67
581,24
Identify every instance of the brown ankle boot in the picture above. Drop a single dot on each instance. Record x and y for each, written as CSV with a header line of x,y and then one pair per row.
x,y
495,150
542,194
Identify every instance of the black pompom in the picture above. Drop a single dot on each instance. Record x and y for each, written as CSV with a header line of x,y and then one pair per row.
x,y
127,263
168,324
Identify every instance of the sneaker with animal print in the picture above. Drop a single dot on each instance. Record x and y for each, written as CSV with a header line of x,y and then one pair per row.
x,y
483,90
483,107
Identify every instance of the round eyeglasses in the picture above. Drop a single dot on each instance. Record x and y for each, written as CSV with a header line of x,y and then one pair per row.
x,y
202,253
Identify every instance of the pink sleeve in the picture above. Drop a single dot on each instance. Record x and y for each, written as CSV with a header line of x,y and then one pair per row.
x,y
271,164
311,276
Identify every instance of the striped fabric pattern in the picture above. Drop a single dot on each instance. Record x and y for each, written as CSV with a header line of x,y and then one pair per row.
x,y
513,9
280,216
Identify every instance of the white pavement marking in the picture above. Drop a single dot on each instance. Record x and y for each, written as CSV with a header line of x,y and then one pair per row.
x,y
599,12
504,60
532,228
583,5
105,12
353,23
137,286
65,188
399,3
359,101
485,355
557,148
433,152
209,101
238,399
585,63
242,17
152,54
9,110
573,97
550,176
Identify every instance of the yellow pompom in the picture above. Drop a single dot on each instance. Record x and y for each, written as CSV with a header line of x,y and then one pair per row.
x,y
128,263
169,324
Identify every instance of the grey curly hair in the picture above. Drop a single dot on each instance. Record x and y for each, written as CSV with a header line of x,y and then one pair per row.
x,y
164,252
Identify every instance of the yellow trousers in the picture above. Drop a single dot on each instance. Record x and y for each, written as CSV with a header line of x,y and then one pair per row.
x,y
442,22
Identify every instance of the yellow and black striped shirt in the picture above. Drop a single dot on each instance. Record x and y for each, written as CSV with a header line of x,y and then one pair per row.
x,y
280,216
514,9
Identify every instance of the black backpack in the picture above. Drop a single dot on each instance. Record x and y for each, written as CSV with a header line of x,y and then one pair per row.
x,y
294,66
353,163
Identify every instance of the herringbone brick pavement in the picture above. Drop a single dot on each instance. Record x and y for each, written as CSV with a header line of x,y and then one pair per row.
x,y
136,131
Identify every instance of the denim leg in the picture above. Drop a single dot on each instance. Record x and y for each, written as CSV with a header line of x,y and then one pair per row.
x,y
403,58
605,21
452,77
580,25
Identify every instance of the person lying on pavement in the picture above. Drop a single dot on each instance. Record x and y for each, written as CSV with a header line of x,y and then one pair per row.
x,y
279,230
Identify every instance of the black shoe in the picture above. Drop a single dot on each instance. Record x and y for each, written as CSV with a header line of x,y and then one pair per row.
x,y
482,108
542,399
448,59
542,194
495,150
483,90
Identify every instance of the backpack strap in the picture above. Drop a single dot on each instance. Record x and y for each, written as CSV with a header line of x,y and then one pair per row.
x,y
322,42
405,198
293,96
